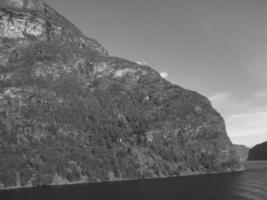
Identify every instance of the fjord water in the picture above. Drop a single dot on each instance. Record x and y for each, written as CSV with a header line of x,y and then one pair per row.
x,y
248,185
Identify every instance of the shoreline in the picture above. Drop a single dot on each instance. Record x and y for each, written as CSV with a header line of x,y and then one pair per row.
x,y
183,174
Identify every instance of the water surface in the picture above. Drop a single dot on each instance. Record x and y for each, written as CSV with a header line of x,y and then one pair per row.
x,y
248,185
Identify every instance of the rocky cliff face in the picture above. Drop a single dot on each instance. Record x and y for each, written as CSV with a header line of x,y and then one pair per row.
x,y
69,113
259,152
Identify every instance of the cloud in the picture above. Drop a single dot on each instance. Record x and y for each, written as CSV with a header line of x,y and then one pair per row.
x,y
220,96
164,75
219,99
244,118
142,62
249,140
225,103
261,94
247,123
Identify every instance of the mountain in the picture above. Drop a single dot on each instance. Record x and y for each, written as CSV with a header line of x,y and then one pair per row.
x,y
258,152
70,113
242,152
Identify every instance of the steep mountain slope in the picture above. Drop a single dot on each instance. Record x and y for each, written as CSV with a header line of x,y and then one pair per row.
x,y
70,113
259,152
242,152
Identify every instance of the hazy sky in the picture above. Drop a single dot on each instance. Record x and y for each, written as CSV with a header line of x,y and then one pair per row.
x,y
216,47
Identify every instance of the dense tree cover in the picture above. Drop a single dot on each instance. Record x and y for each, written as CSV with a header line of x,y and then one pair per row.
x,y
258,152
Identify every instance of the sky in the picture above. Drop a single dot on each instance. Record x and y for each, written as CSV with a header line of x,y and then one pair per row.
x,y
215,47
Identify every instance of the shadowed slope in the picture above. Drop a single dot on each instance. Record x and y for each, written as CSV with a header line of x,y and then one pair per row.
x,y
259,152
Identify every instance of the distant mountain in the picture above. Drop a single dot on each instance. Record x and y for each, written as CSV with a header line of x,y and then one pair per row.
x,y
70,113
259,152
242,152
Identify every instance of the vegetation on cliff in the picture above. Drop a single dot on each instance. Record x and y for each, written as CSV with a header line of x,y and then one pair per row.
x,y
70,113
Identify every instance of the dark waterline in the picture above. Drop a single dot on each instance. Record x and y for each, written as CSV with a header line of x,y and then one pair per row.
x,y
248,185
